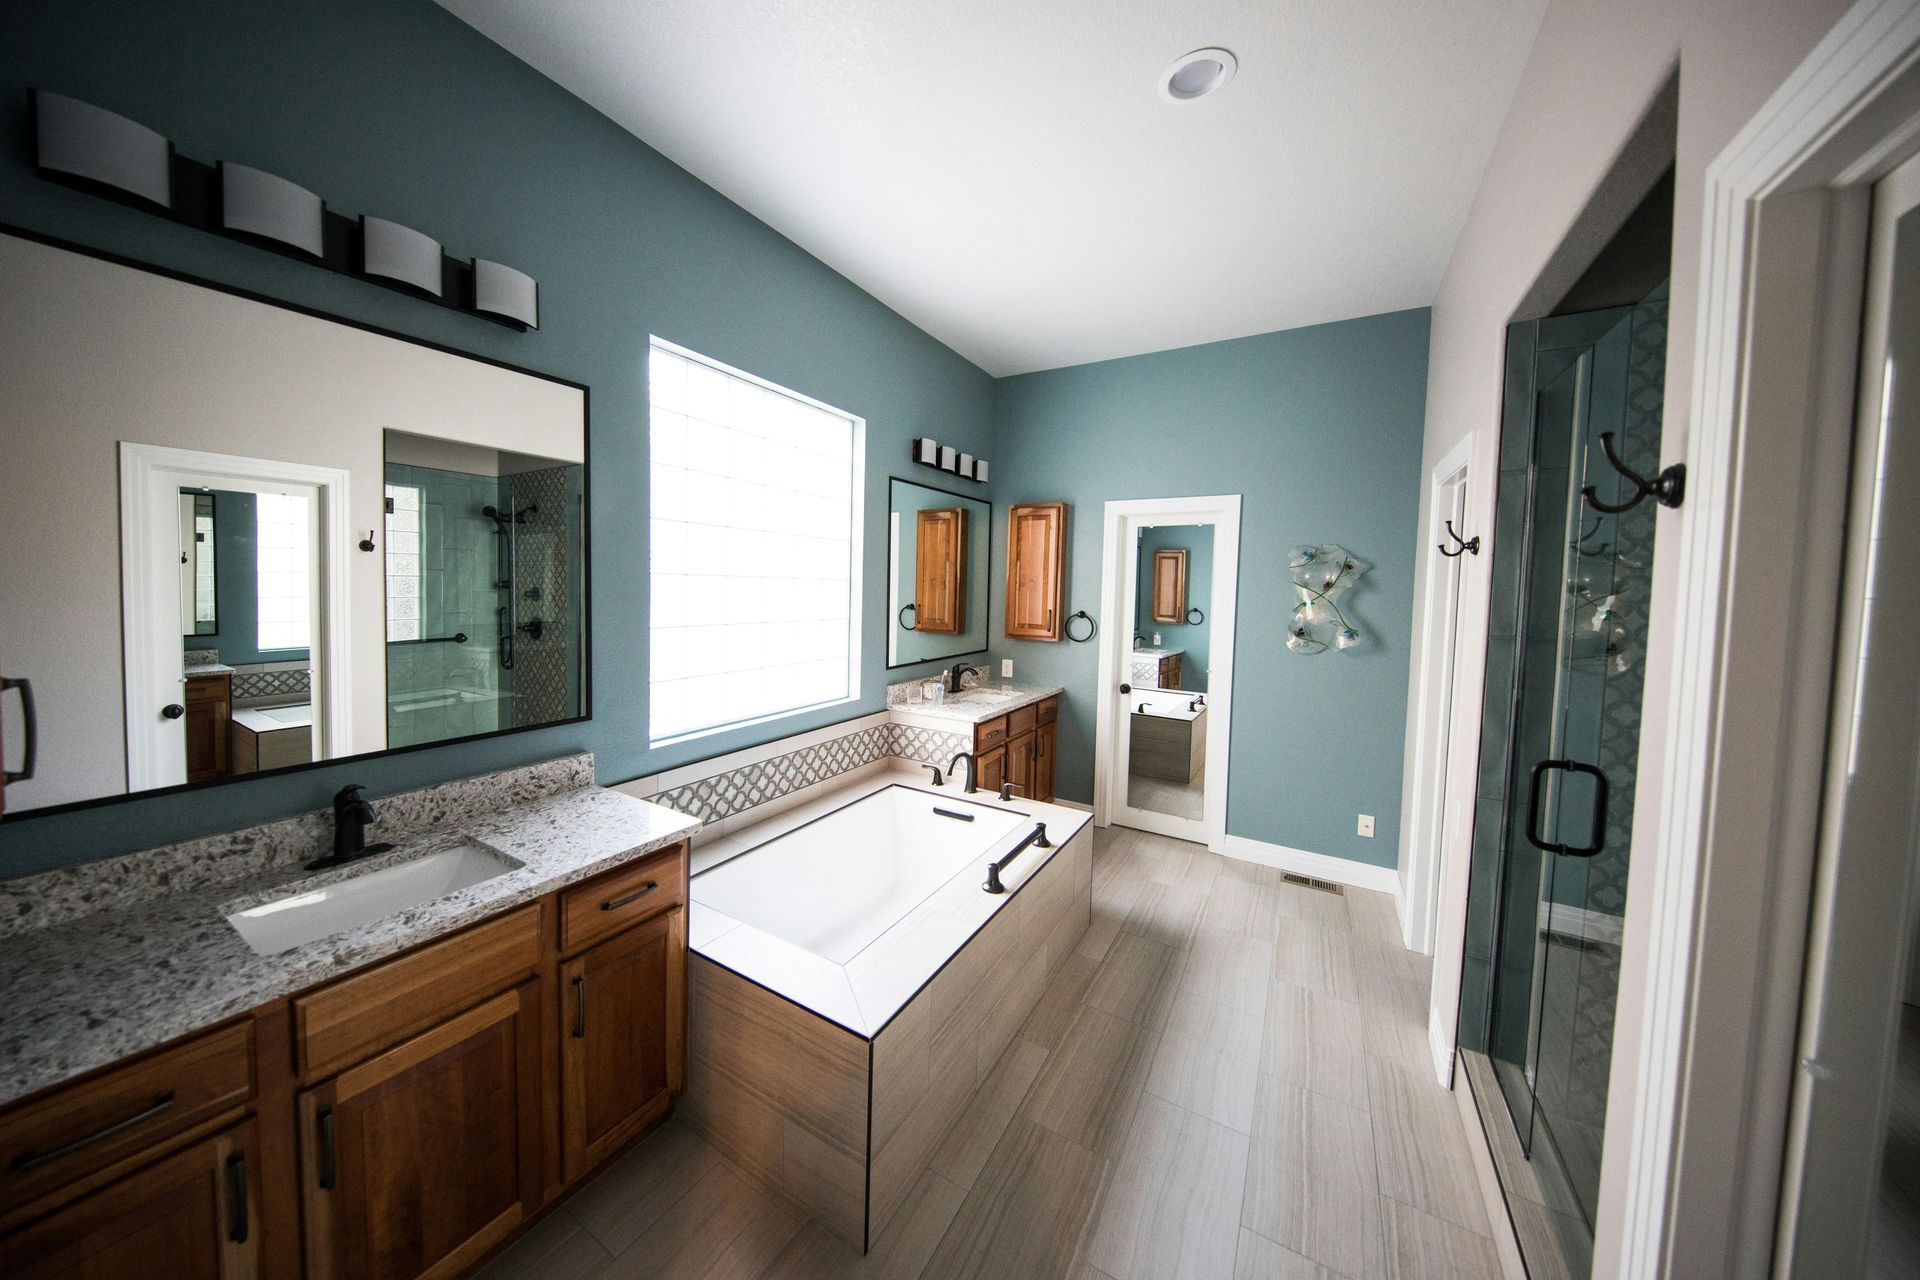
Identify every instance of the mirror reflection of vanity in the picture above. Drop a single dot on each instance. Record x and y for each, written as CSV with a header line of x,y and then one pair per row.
x,y
1167,670
362,543
939,550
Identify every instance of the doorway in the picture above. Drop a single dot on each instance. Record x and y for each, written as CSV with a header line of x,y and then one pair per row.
x,y
1170,566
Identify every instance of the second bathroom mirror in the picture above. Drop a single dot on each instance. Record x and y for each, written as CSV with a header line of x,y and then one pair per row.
x,y
1167,670
939,547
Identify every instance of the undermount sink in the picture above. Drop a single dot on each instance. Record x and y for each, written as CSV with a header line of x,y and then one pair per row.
x,y
982,696
303,917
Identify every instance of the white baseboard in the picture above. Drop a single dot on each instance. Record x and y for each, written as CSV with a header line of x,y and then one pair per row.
x,y
1320,866
1441,1045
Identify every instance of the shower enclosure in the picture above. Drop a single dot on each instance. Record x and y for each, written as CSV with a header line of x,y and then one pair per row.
x,y
1560,738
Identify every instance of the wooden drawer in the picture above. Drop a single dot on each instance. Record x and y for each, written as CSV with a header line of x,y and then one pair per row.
x,y
339,1025
989,735
58,1138
1021,721
608,903
1048,711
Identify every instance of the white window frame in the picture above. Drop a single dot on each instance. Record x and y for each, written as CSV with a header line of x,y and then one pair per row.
x,y
856,547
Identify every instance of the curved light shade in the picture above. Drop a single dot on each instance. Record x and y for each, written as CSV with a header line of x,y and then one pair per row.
x,y
501,291
262,204
84,141
395,252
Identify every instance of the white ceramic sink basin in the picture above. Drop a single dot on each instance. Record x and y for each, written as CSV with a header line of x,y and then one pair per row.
x,y
300,918
981,697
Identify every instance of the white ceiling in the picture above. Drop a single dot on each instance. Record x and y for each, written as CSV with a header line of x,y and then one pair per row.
x,y
1005,174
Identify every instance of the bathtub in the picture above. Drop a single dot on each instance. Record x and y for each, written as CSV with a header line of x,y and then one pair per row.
x,y
852,982
1167,736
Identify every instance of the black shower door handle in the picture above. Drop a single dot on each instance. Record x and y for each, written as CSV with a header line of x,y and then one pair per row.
x,y
1597,840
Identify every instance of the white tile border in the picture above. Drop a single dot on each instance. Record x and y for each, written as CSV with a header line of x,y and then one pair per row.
x,y
1321,866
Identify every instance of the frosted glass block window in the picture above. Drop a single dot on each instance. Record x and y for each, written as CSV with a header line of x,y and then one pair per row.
x,y
284,546
403,562
754,529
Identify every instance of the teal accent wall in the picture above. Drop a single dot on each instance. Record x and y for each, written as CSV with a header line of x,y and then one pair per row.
x,y
396,108
236,567
1191,638
1319,429
916,647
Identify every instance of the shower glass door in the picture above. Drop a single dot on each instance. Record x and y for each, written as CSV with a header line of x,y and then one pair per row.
x,y
1560,738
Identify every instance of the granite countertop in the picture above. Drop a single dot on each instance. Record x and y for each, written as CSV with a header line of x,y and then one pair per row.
x,y
1145,651
87,989
208,669
981,703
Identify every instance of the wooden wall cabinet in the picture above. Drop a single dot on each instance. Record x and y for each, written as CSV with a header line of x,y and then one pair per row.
x,y
1169,602
1018,748
406,1120
1036,558
940,571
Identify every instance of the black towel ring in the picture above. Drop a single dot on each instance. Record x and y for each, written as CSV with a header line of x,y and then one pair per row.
x,y
1091,626
1193,621
902,615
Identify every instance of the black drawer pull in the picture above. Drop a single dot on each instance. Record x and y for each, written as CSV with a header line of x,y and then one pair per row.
x,y
328,1171
237,1181
579,1008
33,1160
635,896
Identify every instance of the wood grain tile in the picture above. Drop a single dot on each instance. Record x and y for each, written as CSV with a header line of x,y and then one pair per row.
x,y
629,1195
1317,958
1026,1215
1262,1259
1088,1090
973,1136
1064,995
1136,979
1396,1019
900,1254
1228,969
1208,1061
1186,864
1172,1206
1315,907
1168,914
1246,907
1310,1180
1316,1041
724,1228
1422,1247
1422,1149
558,1248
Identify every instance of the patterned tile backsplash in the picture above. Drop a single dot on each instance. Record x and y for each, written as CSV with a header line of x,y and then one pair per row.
x,y
250,682
735,791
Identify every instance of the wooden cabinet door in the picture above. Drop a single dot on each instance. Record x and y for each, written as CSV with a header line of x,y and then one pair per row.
x,y
419,1160
194,1215
622,1043
1044,739
990,769
209,703
1169,585
1020,763
940,571
1036,550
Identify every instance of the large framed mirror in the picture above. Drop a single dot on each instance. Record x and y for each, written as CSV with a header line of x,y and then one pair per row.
x,y
1167,670
939,550
243,537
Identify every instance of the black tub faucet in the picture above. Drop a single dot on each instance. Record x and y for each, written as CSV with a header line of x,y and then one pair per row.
x,y
954,763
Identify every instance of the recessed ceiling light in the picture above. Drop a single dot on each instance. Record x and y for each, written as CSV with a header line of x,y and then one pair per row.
x,y
1197,74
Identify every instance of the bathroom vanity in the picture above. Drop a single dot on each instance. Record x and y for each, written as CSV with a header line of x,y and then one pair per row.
x,y
395,1100
1015,731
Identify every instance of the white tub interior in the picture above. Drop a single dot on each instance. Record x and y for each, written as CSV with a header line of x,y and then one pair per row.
x,y
837,883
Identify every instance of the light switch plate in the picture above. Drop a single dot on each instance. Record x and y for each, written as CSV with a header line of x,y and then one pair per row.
x,y
1006,668
1366,825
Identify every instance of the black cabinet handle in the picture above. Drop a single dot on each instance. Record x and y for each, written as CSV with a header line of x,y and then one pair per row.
x,y
616,903
237,1184
30,749
328,1169
1597,839
579,1008
34,1159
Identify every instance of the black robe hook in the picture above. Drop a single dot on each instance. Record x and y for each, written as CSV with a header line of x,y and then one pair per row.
x,y
1667,488
1460,544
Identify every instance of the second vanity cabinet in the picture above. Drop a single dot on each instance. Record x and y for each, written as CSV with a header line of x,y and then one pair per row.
x,y
405,1120
1019,748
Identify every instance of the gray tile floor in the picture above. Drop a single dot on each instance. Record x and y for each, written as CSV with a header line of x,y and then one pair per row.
x,y
1230,1078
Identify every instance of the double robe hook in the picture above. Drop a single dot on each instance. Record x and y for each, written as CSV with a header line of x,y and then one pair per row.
x,y
1667,488
1460,545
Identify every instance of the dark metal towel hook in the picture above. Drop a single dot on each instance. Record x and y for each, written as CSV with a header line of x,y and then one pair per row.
x,y
1460,544
1667,488
1193,621
1091,626
906,609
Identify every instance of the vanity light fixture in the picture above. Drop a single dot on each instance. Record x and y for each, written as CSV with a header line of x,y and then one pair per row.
x,y
929,452
501,291
396,252
257,203
75,139
1195,75
966,465
949,458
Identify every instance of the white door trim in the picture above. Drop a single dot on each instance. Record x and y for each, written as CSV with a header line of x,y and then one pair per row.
x,y
1718,904
151,477
1116,594
1437,784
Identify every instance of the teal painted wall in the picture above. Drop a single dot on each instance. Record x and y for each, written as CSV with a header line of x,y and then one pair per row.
x,y
1191,638
396,108
1319,429
236,567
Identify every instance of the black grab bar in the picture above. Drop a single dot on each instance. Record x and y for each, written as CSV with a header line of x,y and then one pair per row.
x,y
1037,836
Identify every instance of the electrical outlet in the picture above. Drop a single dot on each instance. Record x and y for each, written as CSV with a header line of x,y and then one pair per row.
x,y
1006,668
1366,825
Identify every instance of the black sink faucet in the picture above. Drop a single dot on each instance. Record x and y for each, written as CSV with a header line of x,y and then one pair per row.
x,y
351,815
955,676
952,764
